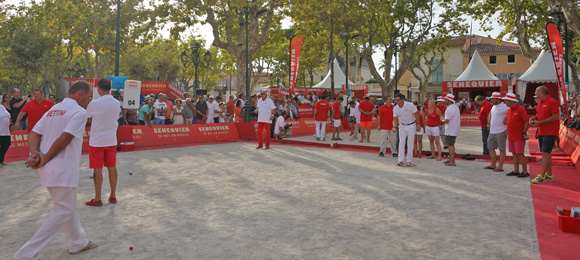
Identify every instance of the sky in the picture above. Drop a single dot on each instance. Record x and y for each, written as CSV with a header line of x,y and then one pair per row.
x,y
206,31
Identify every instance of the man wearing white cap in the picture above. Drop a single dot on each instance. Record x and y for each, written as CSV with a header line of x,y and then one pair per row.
x,y
517,124
212,108
452,127
497,132
266,111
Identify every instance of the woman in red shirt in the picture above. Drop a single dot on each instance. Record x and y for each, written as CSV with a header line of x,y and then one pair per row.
x,y
419,135
433,118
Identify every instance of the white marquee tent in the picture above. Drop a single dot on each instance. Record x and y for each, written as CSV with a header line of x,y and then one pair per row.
x,y
542,71
476,70
339,79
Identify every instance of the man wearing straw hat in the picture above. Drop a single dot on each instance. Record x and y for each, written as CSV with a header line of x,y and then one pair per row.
x,y
497,132
517,124
452,126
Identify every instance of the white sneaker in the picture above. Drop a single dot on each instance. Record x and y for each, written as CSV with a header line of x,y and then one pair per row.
x,y
90,245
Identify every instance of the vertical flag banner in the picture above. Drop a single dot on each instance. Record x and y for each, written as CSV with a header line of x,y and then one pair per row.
x,y
295,52
558,55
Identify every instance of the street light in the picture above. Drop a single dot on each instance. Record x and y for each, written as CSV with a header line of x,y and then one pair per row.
x,y
246,10
74,71
346,36
194,59
557,13
396,48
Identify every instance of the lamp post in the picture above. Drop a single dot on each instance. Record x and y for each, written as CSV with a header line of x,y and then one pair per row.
x,y
397,48
246,10
346,36
74,71
194,59
557,13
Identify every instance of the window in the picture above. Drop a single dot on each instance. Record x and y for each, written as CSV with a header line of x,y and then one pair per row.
x,y
517,75
492,60
438,74
511,59
505,76
498,76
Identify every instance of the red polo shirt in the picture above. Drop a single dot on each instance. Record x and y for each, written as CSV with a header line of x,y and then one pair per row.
x,y
484,112
517,116
386,114
366,106
336,109
322,108
35,111
546,108
230,105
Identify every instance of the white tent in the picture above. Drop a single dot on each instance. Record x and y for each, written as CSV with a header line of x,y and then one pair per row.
x,y
542,71
476,70
339,79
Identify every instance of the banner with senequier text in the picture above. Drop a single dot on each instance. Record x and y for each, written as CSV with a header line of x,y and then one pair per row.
x,y
295,52
558,56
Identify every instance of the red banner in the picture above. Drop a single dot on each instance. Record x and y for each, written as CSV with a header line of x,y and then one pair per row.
x,y
156,87
305,111
295,52
474,84
558,56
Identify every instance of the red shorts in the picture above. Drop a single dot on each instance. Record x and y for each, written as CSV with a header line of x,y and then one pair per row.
x,y
517,147
366,124
102,156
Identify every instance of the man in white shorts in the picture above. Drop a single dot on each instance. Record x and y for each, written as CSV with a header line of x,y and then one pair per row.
x,y
337,118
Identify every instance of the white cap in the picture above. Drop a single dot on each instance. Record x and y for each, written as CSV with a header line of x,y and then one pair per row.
x,y
210,96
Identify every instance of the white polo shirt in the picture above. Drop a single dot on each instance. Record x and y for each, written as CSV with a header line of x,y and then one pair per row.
x,y
103,111
211,108
265,108
4,122
454,116
279,123
66,116
498,114
406,114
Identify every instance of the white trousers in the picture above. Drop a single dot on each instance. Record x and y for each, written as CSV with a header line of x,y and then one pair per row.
x,y
388,137
406,131
65,217
320,129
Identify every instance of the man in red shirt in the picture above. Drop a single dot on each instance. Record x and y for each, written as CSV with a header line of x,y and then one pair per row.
x,y
337,118
442,108
230,106
385,121
366,108
35,109
517,124
547,119
485,109
321,116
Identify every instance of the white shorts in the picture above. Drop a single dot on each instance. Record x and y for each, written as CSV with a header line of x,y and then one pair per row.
x,y
432,130
420,132
337,123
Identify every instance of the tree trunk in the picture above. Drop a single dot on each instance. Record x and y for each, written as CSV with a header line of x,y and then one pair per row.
x,y
331,56
521,33
358,76
572,16
241,73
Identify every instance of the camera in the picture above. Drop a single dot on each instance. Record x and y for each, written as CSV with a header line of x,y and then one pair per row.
x,y
287,126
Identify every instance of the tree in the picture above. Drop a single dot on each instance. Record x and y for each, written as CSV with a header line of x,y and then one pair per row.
x,y
430,56
570,9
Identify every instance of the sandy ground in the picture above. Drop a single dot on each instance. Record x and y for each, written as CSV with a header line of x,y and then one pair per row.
x,y
231,201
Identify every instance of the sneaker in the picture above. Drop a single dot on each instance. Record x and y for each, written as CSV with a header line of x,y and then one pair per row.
x,y
112,200
445,147
395,154
523,175
381,154
549,177
338,139
513,174
95,203
538,179
90,245
259,147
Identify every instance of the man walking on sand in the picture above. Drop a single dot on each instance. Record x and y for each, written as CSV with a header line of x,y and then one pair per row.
x,y
103,140
266,111
55,145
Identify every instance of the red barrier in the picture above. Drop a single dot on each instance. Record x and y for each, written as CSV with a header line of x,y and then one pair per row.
x,y
19,145
569,142
305,111
215,132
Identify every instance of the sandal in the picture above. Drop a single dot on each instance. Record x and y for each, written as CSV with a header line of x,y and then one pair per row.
x,y
399,164
498,170
489,168
431,157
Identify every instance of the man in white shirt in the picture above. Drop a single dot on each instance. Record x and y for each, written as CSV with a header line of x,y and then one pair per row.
x,y
279,130
266,110
57,141
212,110
160,109
355,117
406,119
452,127
103,140
497,132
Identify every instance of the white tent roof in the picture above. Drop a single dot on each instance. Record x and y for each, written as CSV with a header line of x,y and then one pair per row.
x,y
339,78
476,70
542,71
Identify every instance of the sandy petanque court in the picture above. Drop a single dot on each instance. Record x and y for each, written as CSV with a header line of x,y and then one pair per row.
x,y
231,201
